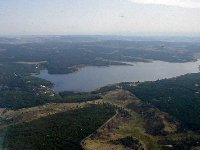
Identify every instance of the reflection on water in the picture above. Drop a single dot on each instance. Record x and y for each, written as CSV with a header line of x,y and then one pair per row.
x,y
90,78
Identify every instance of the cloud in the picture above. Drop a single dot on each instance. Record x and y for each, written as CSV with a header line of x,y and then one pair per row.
x,y
178,3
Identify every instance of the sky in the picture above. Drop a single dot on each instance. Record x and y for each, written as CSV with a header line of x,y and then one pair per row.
x,y
99,17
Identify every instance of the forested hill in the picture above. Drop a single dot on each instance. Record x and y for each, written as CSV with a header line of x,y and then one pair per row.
x,y
178,96
62,56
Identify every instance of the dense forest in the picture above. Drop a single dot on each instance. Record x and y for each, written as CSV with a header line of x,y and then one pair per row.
x,y
74,97
178,96
19,59
65,55
63,130
19,89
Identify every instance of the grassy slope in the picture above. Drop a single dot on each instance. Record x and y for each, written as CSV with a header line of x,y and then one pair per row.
x,y
177,96
135,127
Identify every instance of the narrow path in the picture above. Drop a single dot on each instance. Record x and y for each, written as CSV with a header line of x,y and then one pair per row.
x,y
82,142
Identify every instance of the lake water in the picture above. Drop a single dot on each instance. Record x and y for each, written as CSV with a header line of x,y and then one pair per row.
x,y
91,78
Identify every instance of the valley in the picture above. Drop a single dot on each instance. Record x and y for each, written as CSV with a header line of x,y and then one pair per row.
x,y
143,95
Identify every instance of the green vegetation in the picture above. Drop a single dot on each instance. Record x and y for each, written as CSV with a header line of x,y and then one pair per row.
x,y
17,61
18,89
63,130
129,142
72,97
177,96
148,125
63,56
105,89
182,141
153,124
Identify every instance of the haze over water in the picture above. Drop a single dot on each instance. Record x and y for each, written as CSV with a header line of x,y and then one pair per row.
x,y
91,78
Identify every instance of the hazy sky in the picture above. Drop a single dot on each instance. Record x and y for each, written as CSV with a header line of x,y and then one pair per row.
x,y
126,17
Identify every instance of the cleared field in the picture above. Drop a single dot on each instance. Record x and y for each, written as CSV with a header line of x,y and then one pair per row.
x,y
9,117
154,129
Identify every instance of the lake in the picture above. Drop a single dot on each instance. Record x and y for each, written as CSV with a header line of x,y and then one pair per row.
x,y
91,78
